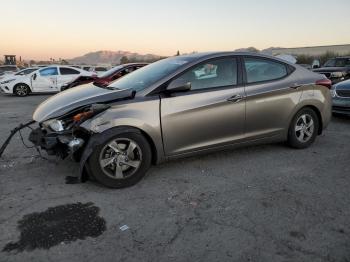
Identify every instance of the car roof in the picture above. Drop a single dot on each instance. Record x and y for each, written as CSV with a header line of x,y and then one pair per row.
x,y
208,55
61,66
131,64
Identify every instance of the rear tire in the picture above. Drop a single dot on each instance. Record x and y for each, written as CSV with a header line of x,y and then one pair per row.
x,y
303,129
121,160
21,90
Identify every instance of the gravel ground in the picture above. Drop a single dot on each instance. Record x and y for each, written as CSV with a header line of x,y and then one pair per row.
x,y
262,203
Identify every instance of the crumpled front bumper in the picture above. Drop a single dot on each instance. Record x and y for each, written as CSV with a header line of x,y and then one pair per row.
x,y
55,143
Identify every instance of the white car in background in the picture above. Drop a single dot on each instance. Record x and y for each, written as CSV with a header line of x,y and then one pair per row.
x,y
44,80
22,72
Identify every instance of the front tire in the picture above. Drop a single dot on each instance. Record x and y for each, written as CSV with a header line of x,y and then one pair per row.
x,y
303,129
121,160
21,90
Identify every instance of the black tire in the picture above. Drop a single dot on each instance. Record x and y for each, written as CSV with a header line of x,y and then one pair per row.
x,y
21,90
294,136
101,175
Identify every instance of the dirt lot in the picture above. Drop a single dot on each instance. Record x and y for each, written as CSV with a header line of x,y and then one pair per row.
x,y
263,203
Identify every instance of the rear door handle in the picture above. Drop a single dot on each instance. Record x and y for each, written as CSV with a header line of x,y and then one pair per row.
x,y
235,98
295,86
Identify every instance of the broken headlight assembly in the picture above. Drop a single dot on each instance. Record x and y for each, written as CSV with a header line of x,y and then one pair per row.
x,y
75,118
63,136
54,124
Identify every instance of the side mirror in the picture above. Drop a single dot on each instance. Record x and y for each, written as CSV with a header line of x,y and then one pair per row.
x,y
179,85
34,76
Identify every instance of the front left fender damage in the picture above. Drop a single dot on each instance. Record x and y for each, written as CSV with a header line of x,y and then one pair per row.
x,y
95,140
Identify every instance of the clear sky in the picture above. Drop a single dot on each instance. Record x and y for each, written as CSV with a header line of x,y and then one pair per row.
x,y
41,29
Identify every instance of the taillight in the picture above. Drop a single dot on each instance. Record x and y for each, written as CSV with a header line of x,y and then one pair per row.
x,y
324,82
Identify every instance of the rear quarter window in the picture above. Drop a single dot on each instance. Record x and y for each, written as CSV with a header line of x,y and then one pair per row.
x,y
68,71
262,70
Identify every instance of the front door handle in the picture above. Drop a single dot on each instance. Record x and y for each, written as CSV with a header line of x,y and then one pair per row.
x,y
235,98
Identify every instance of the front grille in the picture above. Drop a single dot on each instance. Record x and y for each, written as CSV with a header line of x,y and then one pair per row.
x,y
343,93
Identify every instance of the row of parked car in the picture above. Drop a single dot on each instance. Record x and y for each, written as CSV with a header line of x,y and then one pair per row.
x,y
55,78
338,71
99,70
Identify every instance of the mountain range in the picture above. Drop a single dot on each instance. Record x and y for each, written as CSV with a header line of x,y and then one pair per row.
x,y
111,57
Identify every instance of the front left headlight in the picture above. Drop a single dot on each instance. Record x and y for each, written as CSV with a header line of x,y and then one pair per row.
x,y
7,81
333,92
74,119
54,124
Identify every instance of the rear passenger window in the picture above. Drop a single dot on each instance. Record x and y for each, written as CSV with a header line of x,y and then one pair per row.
x,y
68,71
260,70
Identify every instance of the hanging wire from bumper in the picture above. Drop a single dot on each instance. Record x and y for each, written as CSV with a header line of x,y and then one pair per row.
x,y
13,132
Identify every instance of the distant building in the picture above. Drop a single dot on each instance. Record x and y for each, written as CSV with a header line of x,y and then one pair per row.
x,y
312,50
10,60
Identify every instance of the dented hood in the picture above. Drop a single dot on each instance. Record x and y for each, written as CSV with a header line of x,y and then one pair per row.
x,y
76,97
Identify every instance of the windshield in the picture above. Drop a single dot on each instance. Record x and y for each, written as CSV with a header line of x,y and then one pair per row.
x,y
150,74
26,71
111,71
339,62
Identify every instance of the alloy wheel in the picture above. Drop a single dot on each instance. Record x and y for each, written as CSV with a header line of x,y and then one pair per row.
x,y
304,128
21,90
120,158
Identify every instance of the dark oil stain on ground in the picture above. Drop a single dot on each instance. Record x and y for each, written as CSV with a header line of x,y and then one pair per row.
x,y
64,223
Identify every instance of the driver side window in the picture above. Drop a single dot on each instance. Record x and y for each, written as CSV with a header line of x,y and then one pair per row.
x,y
210,74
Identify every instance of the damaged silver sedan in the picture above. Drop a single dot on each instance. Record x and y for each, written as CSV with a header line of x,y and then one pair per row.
x,y
182,106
